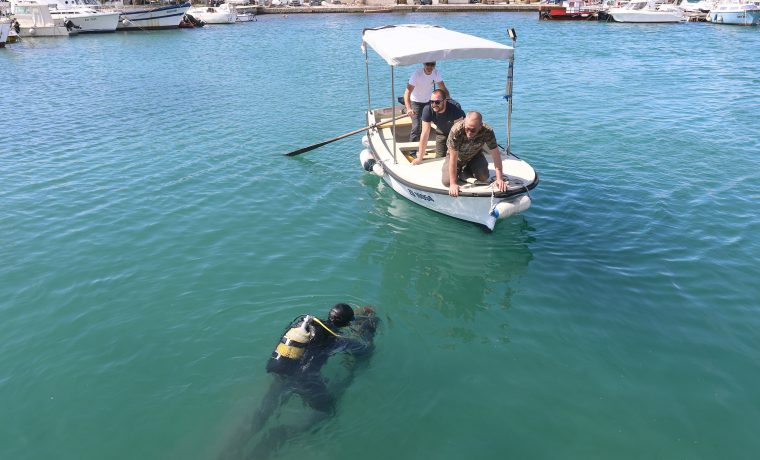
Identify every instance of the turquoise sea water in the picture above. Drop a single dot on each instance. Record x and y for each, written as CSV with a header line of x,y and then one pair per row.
x,y
155,243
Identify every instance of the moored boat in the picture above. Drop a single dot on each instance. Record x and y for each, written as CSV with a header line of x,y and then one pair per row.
x,y
215,13
82,14
5,30
388,155
34,20
146,17
647,11
735,12
245,17
697,6
566,10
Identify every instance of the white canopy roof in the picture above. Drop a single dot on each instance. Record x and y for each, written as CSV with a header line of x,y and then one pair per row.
x,y
417,43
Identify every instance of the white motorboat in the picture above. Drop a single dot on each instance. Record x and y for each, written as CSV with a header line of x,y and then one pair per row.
x,y
224,13
387,153
697,6
35,21
647,11
82,15
245,17
736,12
5,30
146,17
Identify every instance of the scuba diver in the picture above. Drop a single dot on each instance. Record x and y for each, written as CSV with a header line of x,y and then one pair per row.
x,y
296,362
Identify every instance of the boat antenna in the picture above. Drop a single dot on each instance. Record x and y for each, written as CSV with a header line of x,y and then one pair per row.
x,y
512,35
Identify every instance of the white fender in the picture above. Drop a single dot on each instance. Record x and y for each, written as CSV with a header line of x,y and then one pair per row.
x,y
378,170
366,160
504,209
365,141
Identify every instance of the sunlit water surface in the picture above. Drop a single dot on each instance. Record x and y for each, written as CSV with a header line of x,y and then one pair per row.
x,y
155,243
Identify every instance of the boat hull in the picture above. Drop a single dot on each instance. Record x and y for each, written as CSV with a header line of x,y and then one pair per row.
x,y
559,13
735,17
222,14
479,210
90,22
5,30
245,17
46,31
167,17
645,17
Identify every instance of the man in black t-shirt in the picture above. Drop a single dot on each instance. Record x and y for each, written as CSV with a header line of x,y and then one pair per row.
x,y
444,113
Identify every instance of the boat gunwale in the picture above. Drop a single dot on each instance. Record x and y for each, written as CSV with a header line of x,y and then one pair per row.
x,y
506,194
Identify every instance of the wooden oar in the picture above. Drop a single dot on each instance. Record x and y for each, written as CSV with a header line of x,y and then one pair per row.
x,y
320,144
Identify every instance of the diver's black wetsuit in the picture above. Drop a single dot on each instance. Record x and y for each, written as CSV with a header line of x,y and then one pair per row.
x,y
303,378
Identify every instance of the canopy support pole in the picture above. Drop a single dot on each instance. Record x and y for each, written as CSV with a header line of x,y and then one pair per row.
x,y
513,36
393,110
366,73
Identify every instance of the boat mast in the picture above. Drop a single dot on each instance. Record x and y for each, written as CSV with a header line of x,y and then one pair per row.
x,y
513,36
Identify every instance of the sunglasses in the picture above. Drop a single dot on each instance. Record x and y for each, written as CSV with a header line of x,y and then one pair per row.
x,y
439,101
430,64
471,130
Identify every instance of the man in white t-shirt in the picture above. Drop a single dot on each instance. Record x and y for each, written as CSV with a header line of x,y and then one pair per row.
x,y
417,95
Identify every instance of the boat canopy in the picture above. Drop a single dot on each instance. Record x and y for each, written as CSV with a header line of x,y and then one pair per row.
x,y
416,43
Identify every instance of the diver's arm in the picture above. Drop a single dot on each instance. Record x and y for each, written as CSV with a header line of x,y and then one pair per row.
x,y
355,346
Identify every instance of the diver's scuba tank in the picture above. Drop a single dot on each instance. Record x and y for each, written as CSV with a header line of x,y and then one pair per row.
x,y
287,356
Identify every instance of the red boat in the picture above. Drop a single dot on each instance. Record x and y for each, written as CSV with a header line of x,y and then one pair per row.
x,y
566,10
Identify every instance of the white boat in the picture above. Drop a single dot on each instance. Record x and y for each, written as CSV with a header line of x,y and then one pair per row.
x,y
387,155
736,12
5,30
697,6
146,17
245,17
82,15
224,13
647,11
35,21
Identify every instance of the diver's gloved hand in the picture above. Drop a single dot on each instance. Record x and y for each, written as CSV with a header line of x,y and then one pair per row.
x,y
365,311
366,322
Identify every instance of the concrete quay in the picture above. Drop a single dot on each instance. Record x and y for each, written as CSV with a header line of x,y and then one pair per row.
x,y
366,9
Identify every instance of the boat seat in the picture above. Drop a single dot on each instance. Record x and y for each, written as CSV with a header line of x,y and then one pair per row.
x,y
407,148
405,121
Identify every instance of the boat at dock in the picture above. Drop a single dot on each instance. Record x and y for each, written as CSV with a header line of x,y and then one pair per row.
x,y
35,20
5,30
245,17
82,14
136,16
567,10
735,12
387,154
647,11
215,13
697,6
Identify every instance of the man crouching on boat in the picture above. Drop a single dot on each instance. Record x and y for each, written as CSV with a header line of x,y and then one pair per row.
x,y
444,113
464,158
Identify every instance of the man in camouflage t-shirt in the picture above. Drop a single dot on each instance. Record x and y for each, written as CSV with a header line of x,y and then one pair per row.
x,y
465,158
